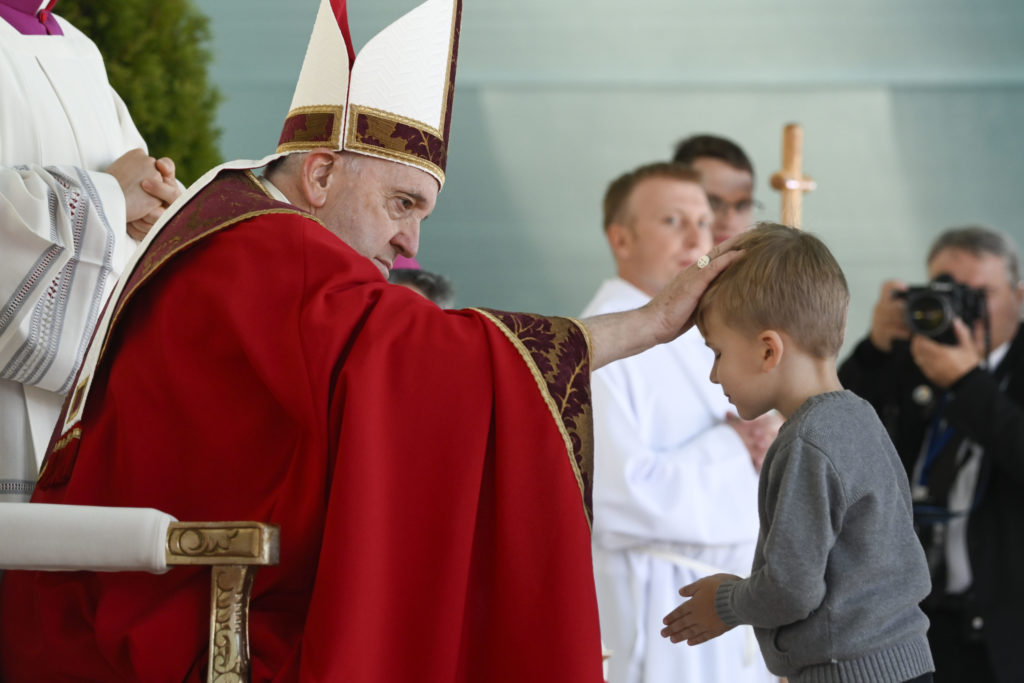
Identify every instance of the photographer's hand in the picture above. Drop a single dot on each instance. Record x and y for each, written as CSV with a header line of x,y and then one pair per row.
x,y
944,364
889,319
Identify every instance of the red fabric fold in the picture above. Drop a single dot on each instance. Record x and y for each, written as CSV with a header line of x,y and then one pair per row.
x,y
432,525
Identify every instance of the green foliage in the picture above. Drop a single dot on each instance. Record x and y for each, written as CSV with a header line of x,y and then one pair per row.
x,y
156,59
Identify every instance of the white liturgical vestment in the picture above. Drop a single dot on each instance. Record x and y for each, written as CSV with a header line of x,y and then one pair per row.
x,y
63,236
675,499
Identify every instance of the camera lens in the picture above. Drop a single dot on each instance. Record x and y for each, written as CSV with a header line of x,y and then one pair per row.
x,y
928,315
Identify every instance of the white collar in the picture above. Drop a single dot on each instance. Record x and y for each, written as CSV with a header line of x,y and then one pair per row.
x,y
996,356
273,190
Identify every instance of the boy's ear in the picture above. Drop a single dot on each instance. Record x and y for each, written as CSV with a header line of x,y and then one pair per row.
x,y
772,347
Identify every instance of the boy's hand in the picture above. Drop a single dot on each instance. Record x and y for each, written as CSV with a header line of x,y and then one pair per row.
x,y
696,621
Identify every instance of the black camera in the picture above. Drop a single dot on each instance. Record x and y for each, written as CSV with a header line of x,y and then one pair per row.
x,y
931,308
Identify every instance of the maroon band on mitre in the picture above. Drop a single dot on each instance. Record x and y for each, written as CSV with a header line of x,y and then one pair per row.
x,y
392,138
306,129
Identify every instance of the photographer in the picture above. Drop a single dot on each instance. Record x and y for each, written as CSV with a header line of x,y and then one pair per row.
x,y
954,407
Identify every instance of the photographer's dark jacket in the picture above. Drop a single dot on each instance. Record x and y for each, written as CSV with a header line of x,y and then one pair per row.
x,y
987,407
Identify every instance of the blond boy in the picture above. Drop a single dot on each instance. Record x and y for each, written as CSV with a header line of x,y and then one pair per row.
x,y
838,572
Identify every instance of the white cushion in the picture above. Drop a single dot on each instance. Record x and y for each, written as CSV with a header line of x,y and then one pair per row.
x,y
81,537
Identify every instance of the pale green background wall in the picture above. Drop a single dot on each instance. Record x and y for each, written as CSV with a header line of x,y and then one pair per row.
x,y
911,111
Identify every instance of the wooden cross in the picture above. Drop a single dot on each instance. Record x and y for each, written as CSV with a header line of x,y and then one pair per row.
x,y
791,181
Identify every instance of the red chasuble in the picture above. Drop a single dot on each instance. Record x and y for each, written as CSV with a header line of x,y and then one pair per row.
x,y
429,469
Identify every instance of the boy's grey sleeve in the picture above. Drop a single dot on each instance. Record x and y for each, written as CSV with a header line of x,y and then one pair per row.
x,y
805,505
723,603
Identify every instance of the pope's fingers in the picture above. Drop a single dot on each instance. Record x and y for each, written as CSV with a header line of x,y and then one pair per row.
x,y
719,260
722,247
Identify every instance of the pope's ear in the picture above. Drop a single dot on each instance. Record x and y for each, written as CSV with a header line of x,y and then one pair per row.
x,y
772,347
318,168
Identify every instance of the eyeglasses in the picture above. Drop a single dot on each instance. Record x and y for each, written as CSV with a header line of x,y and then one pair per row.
x,y
720,207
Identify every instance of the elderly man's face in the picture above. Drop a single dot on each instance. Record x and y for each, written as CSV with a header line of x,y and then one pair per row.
x,y
377,207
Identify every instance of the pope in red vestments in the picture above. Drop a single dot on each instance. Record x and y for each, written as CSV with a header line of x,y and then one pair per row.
x,y
429,469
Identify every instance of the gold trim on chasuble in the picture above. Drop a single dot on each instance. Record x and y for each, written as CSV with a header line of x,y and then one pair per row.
x,y
210,211
557,353
310,127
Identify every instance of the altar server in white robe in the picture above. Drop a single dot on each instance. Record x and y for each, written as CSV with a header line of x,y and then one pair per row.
x,y
76,185
675,474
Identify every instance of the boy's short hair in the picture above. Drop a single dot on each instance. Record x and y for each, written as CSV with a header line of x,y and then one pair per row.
x,y
617,195
787,280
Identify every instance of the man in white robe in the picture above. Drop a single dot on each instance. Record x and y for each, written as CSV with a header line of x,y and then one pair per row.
x,y
675,475
76,185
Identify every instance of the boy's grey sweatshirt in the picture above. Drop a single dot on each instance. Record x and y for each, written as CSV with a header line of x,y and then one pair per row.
x,y
838,572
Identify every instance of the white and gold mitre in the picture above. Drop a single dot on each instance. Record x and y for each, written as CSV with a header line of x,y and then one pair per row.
x,y
392,101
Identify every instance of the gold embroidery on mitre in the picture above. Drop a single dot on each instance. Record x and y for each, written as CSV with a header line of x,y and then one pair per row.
x,y
379,139
321,127
394,118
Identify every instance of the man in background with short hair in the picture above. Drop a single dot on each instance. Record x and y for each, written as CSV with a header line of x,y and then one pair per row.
x,y
728,178
675,473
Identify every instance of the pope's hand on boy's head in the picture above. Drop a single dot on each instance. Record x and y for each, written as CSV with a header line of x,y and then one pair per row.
x,y
675,304
696,621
